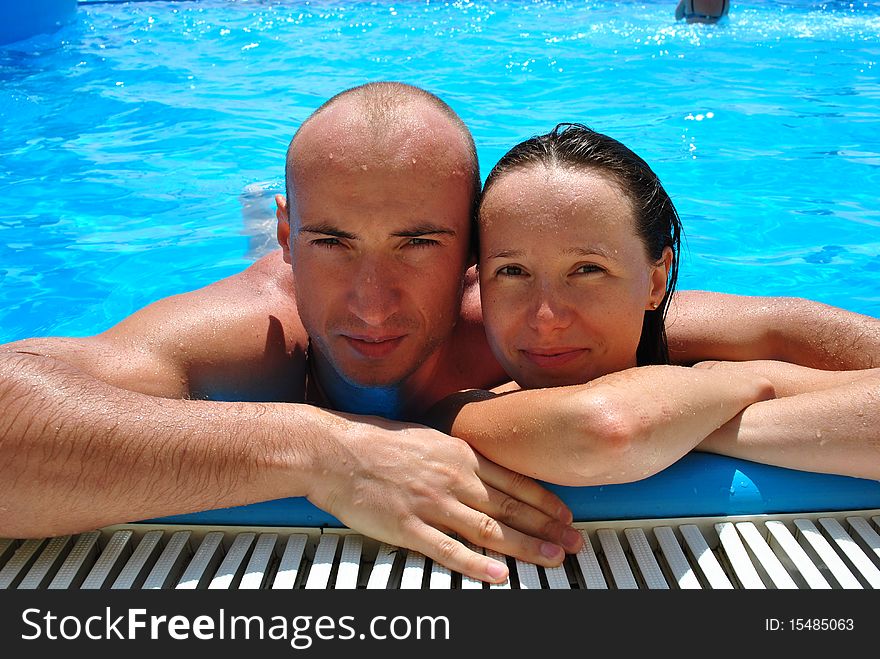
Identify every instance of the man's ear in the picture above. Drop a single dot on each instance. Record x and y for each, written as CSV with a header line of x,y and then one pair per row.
x,y
282,214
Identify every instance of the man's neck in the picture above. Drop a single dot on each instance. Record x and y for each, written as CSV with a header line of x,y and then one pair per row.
x,y
405,400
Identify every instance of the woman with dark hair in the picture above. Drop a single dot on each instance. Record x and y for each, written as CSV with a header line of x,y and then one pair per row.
x,y
573,154
578,247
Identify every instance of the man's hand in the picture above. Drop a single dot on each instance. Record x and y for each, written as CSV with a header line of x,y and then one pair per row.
x,y
415,487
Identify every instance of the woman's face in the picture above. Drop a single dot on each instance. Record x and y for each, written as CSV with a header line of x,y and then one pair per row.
x,y
564,278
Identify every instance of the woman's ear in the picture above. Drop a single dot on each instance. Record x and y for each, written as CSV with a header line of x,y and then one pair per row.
x,y
659,278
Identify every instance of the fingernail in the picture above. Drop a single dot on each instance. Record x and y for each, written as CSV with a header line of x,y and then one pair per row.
x,y
551,551
496,571
563,514
571,539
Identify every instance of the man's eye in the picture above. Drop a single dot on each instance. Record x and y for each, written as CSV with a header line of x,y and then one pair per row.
x,y
326,242
511,271
422,242
587,269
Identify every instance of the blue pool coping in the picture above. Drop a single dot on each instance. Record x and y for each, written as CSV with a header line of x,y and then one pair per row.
x,y
698,485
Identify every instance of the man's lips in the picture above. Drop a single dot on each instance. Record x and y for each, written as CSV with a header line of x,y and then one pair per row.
x,y
552,357
374,347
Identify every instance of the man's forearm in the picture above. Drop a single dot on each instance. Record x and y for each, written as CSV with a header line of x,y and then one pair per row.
x,y
77,453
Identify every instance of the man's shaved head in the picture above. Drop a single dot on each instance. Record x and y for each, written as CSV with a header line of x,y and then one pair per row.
x,y
397,120
382,186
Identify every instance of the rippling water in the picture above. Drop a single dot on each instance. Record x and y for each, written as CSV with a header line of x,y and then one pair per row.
x,y
128,138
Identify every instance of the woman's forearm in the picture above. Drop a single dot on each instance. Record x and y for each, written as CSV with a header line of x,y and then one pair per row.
x,y
792,379
619,428
831,430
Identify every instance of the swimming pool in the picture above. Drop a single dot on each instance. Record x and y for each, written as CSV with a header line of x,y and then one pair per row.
x,y
127,137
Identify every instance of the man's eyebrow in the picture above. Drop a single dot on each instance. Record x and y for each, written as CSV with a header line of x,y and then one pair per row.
x,y
327,230
423,230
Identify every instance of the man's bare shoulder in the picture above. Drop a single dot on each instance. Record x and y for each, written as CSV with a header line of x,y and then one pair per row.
x,y
262,289
471,360
471,311
239,337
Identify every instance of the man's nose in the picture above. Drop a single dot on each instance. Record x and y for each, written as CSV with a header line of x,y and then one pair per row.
x,y
375,293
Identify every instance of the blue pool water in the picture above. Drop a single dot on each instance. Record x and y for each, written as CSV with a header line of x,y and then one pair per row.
x,y
127,138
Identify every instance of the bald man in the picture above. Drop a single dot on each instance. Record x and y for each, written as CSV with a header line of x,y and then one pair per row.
x,y
296,377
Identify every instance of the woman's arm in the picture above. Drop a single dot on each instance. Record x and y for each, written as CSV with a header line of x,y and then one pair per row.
x,y
824,421
618,428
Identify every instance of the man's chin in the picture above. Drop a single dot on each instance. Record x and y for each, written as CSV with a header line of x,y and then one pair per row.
x,y
373,376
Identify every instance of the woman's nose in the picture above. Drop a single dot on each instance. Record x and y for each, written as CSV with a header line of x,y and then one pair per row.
x,y
549,310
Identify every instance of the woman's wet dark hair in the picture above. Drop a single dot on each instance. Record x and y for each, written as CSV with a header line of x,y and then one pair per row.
x,y
657,222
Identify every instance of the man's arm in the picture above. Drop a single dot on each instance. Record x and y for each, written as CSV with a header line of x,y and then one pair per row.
x,y
111,429
107,429
76,454
823,421
717,326
618,428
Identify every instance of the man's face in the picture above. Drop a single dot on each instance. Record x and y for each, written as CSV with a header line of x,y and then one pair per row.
x,y
379,245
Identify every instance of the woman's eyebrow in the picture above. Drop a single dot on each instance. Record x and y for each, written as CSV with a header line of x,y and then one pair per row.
x,y
507,254
570,251
583,251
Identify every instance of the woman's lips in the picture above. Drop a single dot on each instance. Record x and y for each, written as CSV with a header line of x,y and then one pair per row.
x,y
374,347
552,357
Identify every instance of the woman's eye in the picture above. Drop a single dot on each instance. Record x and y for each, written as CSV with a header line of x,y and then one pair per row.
x,y
587,269
511,271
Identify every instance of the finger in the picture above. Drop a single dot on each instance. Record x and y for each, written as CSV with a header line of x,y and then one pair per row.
x,y
453,554
526,489
531,522
485,531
